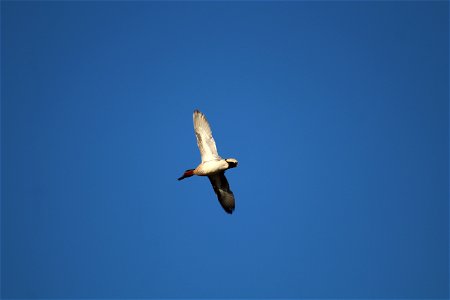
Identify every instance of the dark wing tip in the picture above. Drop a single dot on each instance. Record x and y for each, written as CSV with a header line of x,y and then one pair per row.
x,y
227,202
197,114
228,210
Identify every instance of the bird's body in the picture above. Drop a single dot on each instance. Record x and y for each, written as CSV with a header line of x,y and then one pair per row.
x,y
211,167
212,164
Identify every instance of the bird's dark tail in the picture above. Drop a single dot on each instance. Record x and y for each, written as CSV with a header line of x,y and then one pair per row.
x,y
187,173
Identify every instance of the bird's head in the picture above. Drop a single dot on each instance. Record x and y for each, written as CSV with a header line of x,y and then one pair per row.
x,y
232,162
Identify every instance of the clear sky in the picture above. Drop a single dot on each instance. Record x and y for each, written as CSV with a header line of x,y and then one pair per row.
x,y
336,111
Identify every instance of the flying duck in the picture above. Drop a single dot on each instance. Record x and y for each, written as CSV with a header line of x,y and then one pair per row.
x,y
212,164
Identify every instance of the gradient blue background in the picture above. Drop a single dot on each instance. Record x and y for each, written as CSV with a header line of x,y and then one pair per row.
x,y
336,111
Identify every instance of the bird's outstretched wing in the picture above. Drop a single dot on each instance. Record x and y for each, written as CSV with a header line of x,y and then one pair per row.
x,y
205,140
222,190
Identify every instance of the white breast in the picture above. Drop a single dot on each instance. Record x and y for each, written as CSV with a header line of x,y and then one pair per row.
x,y
211,167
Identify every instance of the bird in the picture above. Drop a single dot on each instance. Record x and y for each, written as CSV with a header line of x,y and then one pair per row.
x,y
212,164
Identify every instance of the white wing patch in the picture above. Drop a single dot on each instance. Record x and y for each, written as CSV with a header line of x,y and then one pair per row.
x,y
205,140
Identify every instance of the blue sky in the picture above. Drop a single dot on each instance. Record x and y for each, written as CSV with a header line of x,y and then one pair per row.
x,y
336,111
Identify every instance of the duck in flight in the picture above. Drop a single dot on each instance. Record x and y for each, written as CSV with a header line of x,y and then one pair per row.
x,y
212,164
